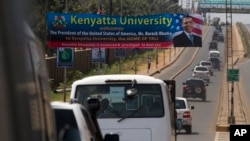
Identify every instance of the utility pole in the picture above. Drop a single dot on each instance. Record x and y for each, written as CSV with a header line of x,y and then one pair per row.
x,y
65,68
230,64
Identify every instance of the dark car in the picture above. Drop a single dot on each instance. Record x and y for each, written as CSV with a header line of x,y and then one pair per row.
x,y
220,37
213,45
216,63
195,88
215,34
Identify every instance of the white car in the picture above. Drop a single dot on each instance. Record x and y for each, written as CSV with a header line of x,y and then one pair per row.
x,y
214,54
183,111
201,72
208,64
74,123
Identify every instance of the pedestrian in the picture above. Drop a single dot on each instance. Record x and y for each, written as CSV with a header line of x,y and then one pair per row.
x,y
149,63
99,53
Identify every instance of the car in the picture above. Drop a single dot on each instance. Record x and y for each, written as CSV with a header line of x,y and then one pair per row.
x,y
201,72
213,45
214,57
215,35
195,88
208,64
214,54
74,123
184,113
220,37
216,63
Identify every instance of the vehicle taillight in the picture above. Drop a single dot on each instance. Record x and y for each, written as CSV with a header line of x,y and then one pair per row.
x,y
185,87
204,88
187,114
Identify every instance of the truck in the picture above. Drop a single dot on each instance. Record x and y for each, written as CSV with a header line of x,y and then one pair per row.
x,y
216,21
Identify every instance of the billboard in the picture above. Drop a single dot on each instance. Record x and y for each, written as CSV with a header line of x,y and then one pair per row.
x,y
103,31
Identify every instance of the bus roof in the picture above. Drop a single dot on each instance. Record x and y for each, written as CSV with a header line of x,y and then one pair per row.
x,y
117,78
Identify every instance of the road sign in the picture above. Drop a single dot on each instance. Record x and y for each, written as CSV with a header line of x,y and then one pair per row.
x,y
98,55
65,57
233,75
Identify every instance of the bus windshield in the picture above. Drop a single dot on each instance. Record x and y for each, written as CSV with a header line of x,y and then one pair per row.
x,y
116,104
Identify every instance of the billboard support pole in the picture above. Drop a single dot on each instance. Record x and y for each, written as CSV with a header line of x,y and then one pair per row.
x,y
64,84
120,65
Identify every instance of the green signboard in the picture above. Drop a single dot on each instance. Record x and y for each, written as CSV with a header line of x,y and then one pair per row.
x,y
232,75
65,57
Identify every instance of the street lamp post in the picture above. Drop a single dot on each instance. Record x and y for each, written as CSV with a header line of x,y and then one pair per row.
x,y
110,7
170,54
162,4
174,48
135,68
156,59
164,56
171,6
150,8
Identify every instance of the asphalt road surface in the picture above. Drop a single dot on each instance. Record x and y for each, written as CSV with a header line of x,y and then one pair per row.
x,y
205,113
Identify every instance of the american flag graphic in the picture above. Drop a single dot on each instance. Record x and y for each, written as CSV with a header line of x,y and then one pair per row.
x,y
197,18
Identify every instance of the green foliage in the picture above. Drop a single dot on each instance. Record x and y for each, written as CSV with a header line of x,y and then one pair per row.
x,y
74,75
127,67
71,77
59,96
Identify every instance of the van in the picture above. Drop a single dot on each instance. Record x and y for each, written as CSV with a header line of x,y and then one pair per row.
x,y
136,107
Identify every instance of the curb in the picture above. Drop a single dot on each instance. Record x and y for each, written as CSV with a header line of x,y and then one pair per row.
x,y
222,128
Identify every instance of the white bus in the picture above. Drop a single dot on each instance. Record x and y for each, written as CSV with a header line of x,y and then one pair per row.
x,y
136,107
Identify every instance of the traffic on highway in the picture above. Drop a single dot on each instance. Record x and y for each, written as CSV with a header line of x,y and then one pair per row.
x,y
204,115
198,95
207,115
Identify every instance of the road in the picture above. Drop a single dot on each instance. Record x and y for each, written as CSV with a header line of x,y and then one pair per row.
x,y
244,67
205,113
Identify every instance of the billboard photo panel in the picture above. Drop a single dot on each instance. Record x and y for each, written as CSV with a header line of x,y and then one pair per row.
x,y
104,31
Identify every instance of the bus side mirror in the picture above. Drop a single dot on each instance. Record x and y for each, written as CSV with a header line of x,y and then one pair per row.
x,y
93,105
111,137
